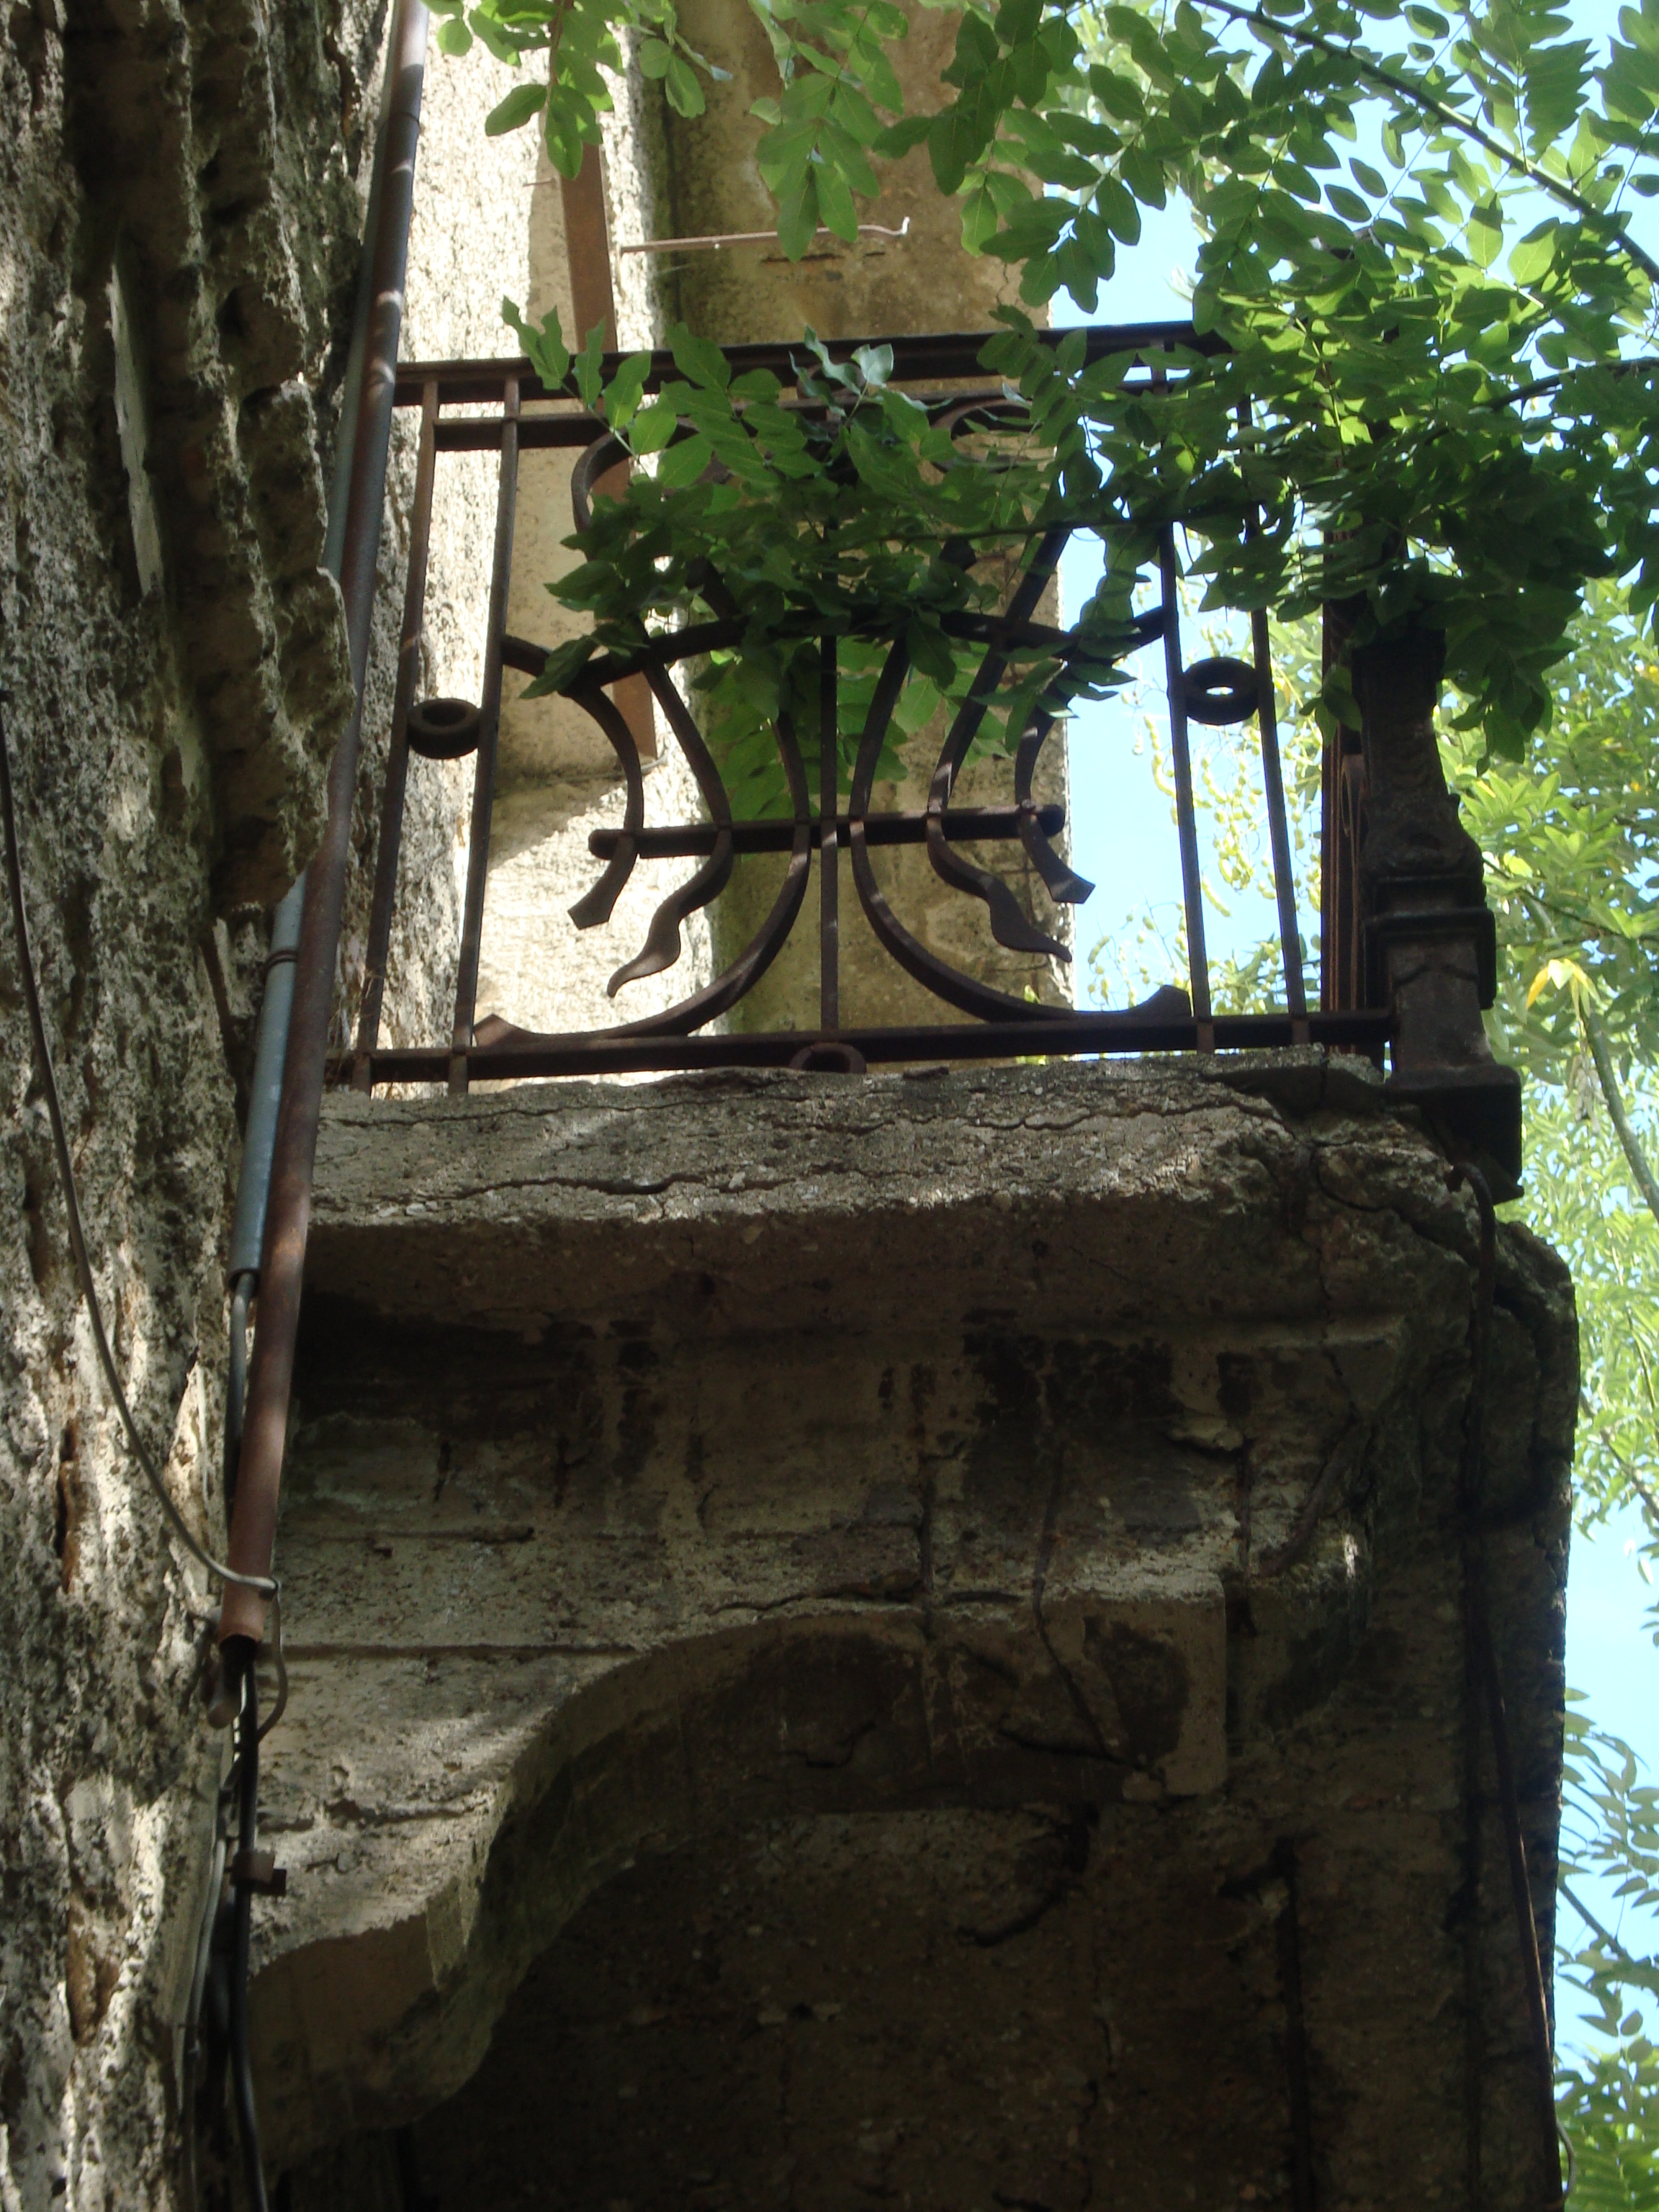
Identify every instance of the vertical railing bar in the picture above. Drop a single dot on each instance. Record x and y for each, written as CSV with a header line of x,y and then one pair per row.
x,y
397,765
1279,831
1330,839
1273,785
829,842
1192,880
484,780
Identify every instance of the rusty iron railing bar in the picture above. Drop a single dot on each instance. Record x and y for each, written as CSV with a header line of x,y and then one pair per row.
x,y
483,778
482,433
595,907
668,646
1162,1025
828,840
1037,824
943,358
956,989
705,1004
662,944
397,764
1341,813
1273,785
683,841
1192,880
1279,831
253,1522
1010,927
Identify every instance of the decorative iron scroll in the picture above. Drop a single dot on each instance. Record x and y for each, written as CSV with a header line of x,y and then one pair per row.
x,y
818,826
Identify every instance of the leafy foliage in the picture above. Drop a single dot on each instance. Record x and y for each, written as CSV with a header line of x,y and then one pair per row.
x,y
1414,251
858,516
1608,2097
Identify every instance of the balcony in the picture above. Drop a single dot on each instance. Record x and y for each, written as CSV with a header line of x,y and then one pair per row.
x,y
890,1608
1406,960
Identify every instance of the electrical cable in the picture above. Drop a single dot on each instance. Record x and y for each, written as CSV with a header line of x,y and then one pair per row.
x,y
1483,1654
248,1733
197,1991
267,1585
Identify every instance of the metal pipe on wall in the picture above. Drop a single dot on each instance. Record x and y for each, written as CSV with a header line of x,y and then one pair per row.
x,y
253,1521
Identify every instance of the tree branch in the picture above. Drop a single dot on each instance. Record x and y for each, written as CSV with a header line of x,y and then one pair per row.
x,y
1626,1465
1608,1938
1646,1181
1385,80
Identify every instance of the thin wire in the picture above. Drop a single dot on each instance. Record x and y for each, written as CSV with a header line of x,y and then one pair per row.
x,y
267,1585
754,238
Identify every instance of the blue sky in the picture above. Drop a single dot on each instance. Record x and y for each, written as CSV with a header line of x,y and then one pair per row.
x,y
1124,839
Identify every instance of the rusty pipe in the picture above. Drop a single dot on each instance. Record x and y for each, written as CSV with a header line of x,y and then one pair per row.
x,y
288,1220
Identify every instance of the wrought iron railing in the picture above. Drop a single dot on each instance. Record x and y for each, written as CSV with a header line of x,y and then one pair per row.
x,y
479,407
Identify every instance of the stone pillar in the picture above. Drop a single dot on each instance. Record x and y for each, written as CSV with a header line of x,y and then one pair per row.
x,y
879,287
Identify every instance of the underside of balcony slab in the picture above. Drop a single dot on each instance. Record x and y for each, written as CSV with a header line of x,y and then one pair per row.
x,y
819,1581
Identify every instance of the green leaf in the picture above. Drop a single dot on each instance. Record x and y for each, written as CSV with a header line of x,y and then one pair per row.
x,y
1347,204
699,360
652,429
835,206
1486,233
453,37
589,374
544,344
1531,257
655,55
680,83
955,138
682,465
562,664
797,215
622,396
901,137
520,104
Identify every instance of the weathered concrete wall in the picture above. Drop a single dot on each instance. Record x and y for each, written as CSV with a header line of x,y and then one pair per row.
x,y
178,201
813,1562
489,223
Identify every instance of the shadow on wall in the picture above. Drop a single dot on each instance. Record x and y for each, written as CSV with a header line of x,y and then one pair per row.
x,y
826,1915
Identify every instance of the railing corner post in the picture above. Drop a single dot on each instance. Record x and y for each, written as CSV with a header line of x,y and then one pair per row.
x,y
1429,945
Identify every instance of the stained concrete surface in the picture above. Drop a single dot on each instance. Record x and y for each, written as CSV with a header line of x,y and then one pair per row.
x,y
873,1510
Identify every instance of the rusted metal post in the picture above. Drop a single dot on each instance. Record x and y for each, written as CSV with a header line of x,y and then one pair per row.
x,y
1429,942
397,765
253,1523
1192,879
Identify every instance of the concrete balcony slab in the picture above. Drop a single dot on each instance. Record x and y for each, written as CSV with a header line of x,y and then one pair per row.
x,y
726,1457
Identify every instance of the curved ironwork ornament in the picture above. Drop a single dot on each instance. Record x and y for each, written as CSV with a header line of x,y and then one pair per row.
x,y
1001,635
1215,691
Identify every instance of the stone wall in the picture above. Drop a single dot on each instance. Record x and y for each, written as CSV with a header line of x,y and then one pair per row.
x,y
178,200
